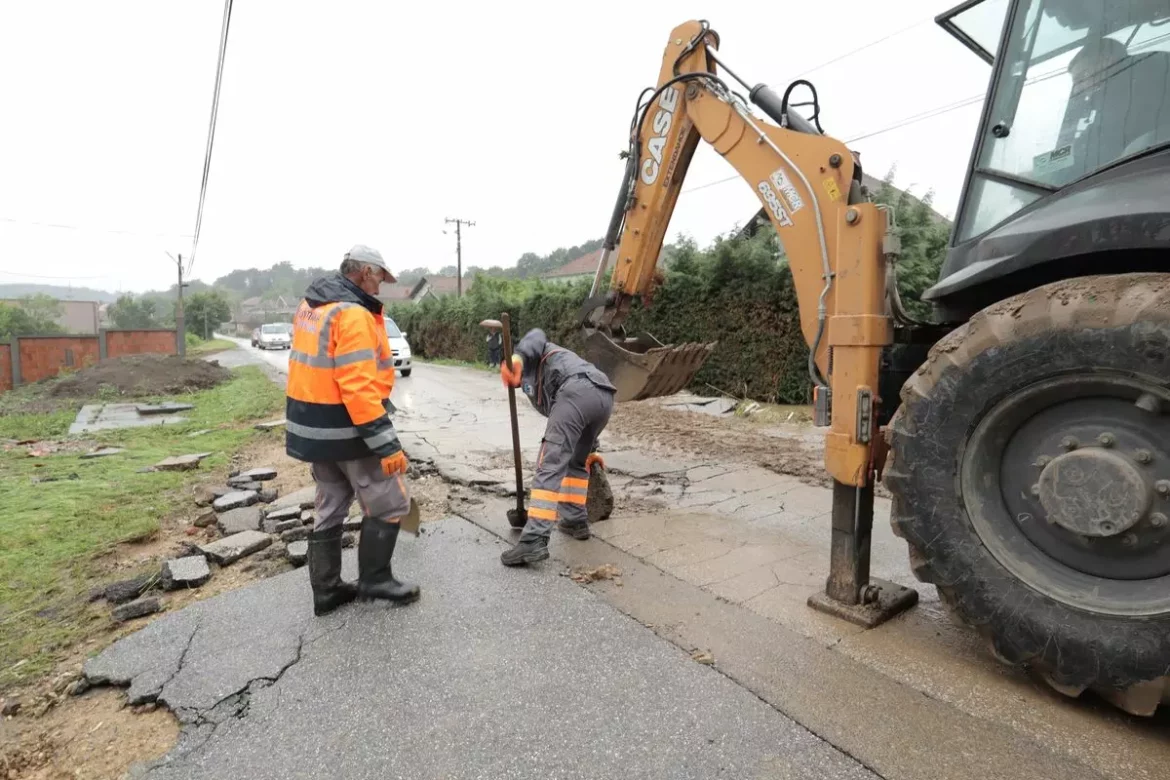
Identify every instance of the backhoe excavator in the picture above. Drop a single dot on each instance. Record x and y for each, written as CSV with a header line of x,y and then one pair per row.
x,y
1029,457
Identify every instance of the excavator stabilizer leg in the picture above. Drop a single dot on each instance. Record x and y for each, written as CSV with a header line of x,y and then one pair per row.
x,y
849,592
643,367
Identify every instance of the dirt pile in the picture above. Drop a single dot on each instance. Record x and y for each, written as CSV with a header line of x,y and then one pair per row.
x,y
140,376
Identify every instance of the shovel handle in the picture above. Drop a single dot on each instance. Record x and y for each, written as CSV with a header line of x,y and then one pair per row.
x,y
507,323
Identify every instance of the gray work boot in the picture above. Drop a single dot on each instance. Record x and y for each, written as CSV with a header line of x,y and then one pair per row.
x,y
324,560
575,530
375,577
526,552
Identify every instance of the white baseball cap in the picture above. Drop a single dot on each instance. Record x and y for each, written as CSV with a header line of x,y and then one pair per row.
x,y
364,254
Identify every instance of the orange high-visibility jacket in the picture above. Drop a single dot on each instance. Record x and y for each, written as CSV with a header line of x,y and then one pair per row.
x,y
340,375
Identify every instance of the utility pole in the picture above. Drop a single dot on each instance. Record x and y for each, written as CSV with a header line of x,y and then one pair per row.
x,y
180,332
459,223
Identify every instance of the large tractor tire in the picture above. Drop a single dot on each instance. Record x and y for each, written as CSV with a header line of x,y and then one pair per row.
x,y
1030,473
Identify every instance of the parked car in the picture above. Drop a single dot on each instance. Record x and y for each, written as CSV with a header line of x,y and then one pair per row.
x,y
399,347
275,335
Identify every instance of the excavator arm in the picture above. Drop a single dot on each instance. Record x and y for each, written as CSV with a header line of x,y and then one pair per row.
x,y
837,245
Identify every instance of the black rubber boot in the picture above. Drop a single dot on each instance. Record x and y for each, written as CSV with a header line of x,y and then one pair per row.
x,y
324,559
526,552
575,530
375,578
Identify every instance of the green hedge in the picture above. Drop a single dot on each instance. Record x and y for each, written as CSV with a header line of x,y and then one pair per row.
x,y
735,292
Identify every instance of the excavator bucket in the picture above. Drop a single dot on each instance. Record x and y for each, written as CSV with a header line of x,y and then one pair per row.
x,y
644,367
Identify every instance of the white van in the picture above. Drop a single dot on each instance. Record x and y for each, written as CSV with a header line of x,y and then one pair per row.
x,y
398,347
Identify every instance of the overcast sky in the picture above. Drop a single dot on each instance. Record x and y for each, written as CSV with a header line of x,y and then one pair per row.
x,y
363,121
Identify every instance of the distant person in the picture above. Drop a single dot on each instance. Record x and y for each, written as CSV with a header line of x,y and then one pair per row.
x,y
494,340
340,375
577,398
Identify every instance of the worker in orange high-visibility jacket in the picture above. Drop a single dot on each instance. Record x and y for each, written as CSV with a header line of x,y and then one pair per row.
x,y
340,375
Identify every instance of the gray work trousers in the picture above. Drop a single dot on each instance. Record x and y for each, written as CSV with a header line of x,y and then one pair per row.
x,y
338,483
561,485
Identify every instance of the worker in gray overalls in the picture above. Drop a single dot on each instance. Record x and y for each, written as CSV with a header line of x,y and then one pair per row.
x,y
577,398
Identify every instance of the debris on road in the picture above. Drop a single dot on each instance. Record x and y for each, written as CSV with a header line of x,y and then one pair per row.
x,y
261,474
283,513
297,552
191,571
127,590
285,525
205,518
207,494
606,571
267,426
231,548
245,518
295,534
703,657
235,499
136,609
181,462
305,498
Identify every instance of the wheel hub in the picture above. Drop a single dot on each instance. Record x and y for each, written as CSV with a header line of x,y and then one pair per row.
x,y
1067,482
1094,492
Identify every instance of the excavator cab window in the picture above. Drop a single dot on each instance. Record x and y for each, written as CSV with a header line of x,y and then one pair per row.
x,y
1077,86
977,24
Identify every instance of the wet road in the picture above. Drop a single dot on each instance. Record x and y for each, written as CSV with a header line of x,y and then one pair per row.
x,y
744,548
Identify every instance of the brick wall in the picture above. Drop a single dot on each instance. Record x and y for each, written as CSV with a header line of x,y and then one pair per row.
x,y
5,367
42,357
137,342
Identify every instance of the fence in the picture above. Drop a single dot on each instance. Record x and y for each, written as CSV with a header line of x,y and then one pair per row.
x,y
27,359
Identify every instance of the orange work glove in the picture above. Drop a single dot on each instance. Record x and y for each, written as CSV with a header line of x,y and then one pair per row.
x,y
512,378
395,464
592,459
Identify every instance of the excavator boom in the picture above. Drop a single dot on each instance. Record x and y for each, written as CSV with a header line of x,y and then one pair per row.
x,y
836,245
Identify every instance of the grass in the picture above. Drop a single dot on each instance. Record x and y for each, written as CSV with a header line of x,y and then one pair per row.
x,y
62,514
210,346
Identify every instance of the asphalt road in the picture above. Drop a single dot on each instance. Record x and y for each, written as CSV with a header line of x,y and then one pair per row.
x,y
494,673
742,548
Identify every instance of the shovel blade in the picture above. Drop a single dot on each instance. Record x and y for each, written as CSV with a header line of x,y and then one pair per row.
x,y
643,367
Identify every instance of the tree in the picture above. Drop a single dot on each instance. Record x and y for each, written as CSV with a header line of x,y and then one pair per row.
x,y
412,275
205,311
133,313
43,311
448,270
33,317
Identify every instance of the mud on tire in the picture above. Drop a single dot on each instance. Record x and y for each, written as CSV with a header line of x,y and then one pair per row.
x,y
1105,323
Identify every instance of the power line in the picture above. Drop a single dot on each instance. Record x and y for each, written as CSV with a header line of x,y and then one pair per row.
x,y
930,113
59,226
863,47
223,37
58,278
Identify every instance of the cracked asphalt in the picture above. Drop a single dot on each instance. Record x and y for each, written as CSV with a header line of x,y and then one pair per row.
x,y
495,673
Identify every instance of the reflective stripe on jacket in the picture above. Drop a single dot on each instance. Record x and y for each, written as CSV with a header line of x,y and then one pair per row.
x,y
340,376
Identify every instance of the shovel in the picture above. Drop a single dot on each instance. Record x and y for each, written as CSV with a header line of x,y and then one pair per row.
x,y
518,517
411,522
